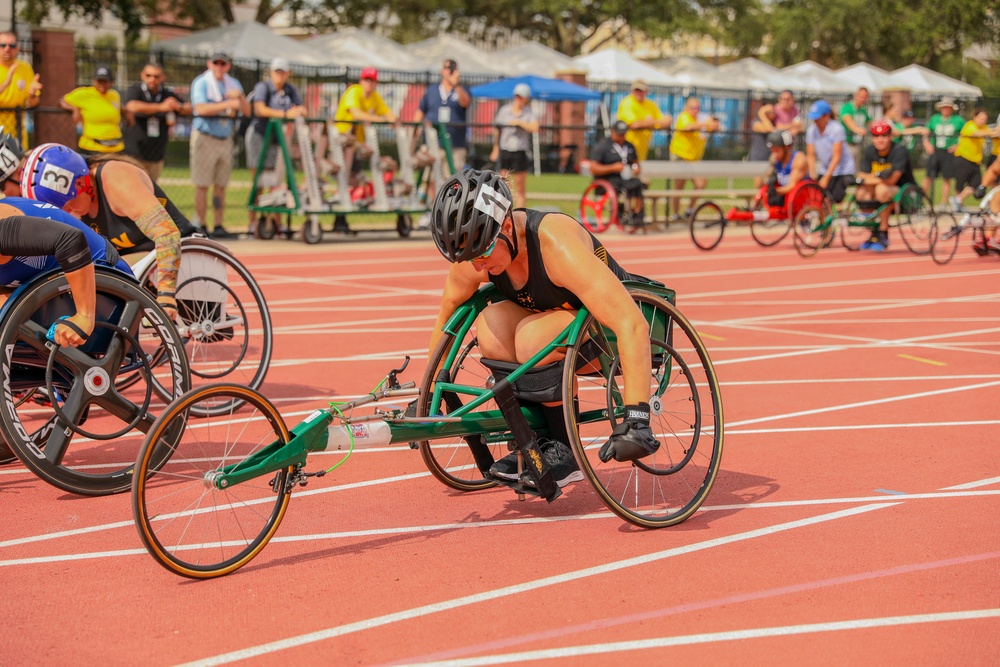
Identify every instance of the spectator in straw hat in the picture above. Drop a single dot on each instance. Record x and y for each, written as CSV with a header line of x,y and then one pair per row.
x,y
642,116
943,128
99,108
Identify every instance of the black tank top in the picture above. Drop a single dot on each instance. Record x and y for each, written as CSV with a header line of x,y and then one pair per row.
x,y
122,231
540,293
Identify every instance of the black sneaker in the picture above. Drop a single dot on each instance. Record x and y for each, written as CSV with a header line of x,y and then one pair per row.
x,y
980,192
560,459
505,468
221,233
629,442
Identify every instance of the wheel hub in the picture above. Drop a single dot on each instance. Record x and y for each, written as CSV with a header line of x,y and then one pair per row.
x,y
655,405
96,381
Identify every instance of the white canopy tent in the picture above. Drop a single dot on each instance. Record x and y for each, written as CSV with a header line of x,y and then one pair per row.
x,y
816,78
875,79
692,72
618,66
753,74
354,47
470,59
248,40
533,58
924,82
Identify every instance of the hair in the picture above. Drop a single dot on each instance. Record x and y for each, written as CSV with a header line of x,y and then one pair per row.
x,y
9,32
93,160
979,110
860,88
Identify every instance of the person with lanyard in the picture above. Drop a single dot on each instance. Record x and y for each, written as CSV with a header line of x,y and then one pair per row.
x,y
615,159
789,166
217,98
448,103
830,163
118,199
150,111
885,167
547,266
98,108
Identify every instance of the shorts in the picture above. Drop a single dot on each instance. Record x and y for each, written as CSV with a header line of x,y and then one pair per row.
x,y
837,189
514,161
966,174
211,160
633,187
940,163
774,198
255,144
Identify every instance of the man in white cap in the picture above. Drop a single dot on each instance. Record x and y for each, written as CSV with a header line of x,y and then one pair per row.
x,y
944,128
271,98
515,123
642,117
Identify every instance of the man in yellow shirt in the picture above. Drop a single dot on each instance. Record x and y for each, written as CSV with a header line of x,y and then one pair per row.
x,y
360,104
19,87
642,116
99,108
969,154
688,144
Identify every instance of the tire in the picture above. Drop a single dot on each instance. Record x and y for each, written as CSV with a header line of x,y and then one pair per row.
x,y
668,486
947,235
188,525
916,220
221,333
267,226
84,382
451,461
813,230
852,236
707,225
598,206
769,232
404,224
309,235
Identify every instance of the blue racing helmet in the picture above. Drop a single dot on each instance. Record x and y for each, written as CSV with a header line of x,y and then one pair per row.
x,y
50,173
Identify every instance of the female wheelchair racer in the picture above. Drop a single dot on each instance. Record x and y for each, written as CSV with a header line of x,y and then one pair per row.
x,y
547,266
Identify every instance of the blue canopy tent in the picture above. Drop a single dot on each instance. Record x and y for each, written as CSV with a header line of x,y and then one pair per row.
x,y
542,89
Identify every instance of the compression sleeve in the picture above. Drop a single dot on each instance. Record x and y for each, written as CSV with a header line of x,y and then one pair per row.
x,y
22,235
157,225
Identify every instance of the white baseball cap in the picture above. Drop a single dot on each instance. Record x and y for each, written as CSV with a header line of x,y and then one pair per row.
x,y
523,90
279,64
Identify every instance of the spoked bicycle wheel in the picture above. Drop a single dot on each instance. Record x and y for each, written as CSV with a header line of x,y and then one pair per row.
x,y
668,486
187,523
916,220
946,239
813,230
452,461
770,232
223,318
598,206
707,224
79,430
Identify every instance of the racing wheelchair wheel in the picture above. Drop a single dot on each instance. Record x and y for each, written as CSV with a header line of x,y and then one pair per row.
x,y
82,384
187,523
451,461
599,206
668,486
707,225
404,225
223,319
916,219
946,236
813,230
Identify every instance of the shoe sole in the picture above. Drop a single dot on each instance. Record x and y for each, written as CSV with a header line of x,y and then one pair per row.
x,y
503,475
575,476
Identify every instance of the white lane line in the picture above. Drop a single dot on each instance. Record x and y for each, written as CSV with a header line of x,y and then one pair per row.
x,y
527,587
974,485
714,637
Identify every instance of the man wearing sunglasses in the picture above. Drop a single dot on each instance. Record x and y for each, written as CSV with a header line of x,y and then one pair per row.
x,y
151,109
19,87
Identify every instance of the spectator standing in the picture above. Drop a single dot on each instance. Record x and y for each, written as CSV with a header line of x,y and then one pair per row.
x,y
360,104
150,111
19,87
217,98
969,155
515,123
615,160
99,108
855,119
448,103
688,144
786,113
831,164
762,125
642,116
940,144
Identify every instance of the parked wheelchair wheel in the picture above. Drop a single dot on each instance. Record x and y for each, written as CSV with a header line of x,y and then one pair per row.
x,y
668,486
599,206
946,237
812,230
82,386
707,225
916,219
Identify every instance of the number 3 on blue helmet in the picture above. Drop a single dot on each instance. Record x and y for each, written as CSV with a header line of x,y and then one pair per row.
x,y
50,173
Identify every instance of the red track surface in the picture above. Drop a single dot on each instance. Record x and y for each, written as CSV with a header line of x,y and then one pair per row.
x,y
853,521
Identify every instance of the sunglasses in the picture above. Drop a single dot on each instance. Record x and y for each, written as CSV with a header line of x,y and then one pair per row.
x,y
489,251
219,62
5,45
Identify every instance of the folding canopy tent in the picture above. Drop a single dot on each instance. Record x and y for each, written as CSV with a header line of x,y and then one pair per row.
x,y
875,79
815,78
470,59
753,74
543,90
534,58
929,84
618,66
354,47
248,40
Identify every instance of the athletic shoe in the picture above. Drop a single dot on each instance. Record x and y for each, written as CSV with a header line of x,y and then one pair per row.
x,y
867,245
222,233
505,468
560,459
980,192
956,204
629,441
994,244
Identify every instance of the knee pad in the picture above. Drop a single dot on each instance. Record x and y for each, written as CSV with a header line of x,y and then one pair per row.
x,y
541,384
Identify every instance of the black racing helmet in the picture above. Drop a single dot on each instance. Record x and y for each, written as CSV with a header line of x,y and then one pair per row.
x,y
780,138
468,211
10,154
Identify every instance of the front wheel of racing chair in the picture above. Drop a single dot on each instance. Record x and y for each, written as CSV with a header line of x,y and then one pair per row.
x,y
223,319
78,429
813,230
916,219
599,206
707,225
668,486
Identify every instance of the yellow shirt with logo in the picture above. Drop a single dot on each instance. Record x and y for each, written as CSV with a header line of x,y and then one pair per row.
x,y
688,145
354,98
102,117
631,110
15,95
969,147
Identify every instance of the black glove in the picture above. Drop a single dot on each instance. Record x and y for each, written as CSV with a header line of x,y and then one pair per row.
x,y
632,439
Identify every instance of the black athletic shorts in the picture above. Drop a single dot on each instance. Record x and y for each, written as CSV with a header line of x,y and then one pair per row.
x,y
966,174
837,189
515,161
633,187
940,163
